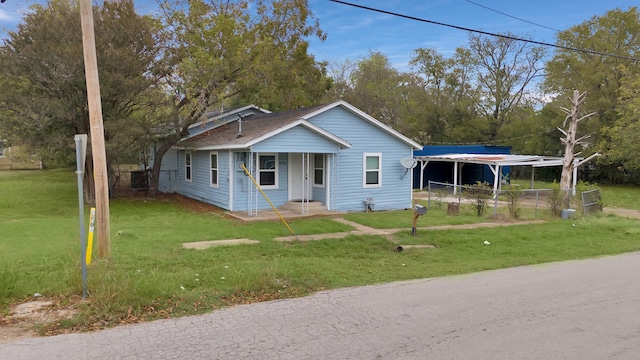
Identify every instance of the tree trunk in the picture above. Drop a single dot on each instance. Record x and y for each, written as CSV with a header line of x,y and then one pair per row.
x,y
567,161
569,139
152,191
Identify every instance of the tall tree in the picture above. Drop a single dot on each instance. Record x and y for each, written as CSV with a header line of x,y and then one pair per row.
x,y
506,71
225,52
570,139
340,73
615,32
379,89
625,134
44,83
445,105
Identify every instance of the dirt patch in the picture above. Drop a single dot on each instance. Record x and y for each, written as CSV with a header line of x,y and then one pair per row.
x,y
182,201
23,317
193,205
632,214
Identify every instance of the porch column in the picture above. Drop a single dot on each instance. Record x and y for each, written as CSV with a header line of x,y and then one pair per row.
x,y
455,177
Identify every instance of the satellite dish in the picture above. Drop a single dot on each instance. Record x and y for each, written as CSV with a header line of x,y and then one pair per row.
x,y
408,163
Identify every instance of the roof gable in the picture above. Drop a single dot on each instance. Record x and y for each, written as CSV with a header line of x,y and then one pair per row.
x,y
243,132
365,117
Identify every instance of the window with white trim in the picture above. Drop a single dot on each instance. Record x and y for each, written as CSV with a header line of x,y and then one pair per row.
x,y
268,171
371,170
213,166
318,170
187,166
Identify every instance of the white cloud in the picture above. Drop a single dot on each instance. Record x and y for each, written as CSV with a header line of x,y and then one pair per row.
x,y
6,16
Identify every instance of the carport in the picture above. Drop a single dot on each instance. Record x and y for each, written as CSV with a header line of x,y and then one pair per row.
x,y
496,162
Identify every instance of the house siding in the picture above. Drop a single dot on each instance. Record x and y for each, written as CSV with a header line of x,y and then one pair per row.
x,y
395,192
172,177
245,199
297,140
343,182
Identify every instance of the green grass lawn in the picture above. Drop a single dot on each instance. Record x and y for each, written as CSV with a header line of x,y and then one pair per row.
x,y
149,274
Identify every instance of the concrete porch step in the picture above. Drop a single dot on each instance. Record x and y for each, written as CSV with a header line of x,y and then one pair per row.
x,y
297,206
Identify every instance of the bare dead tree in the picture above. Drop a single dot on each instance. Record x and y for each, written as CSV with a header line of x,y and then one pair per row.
x,y
569,140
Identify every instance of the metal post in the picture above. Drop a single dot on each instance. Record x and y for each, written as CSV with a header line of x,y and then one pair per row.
x,y
80,154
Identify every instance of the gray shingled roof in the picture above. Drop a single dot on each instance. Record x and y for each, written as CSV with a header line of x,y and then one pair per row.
x,y
253,127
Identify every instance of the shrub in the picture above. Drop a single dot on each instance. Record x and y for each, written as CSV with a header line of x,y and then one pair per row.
x,y
512,193
480,192
555,200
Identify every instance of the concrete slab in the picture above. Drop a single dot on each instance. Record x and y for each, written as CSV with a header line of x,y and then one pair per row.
x,y
405,247
270,215
199,245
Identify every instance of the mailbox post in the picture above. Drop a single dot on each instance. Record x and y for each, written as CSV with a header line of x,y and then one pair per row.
x,y
417,211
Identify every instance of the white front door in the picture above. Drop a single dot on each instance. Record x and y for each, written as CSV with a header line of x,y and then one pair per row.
x,y
299,179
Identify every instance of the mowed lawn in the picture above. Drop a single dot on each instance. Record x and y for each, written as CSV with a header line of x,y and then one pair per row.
x,y
150,275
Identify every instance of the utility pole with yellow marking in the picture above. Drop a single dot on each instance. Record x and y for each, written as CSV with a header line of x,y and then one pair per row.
x,y
97,130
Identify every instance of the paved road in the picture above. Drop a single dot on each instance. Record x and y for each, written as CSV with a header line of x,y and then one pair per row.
x,y
571,310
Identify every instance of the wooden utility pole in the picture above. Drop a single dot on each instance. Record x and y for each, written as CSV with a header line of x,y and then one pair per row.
x,y
569,139
97,130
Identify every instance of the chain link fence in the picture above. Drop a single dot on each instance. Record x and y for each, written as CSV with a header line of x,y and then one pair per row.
x,y
512,200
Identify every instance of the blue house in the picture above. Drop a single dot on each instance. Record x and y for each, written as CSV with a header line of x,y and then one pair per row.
x,y
333,154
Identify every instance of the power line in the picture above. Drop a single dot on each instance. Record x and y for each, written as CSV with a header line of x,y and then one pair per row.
x,y
511,16
592,52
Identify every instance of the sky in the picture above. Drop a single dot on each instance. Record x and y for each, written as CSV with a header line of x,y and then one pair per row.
x,y
352,33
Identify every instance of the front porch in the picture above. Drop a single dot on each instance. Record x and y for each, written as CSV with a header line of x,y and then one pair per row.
x,y
290,210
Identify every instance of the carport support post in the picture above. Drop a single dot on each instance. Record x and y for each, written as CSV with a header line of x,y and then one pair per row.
x,y
455,177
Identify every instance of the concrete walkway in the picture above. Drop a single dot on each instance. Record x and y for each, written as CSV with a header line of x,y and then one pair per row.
x,y
359,229
366,230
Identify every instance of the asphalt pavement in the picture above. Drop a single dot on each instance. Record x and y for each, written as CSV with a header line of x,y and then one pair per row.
x,y
586,309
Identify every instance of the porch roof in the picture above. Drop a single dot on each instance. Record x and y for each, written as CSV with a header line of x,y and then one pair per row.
x,y
250,130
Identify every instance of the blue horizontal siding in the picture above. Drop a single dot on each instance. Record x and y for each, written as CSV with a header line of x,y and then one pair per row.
x,y
297,140
364,137
199,187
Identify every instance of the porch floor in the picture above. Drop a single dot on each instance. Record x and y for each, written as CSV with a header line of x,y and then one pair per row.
x,y
266,215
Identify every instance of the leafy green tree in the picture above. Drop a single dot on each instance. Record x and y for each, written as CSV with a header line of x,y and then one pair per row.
x,y
506,70
222,53
601,76
378,89
444,108
43,82
340,74
625,134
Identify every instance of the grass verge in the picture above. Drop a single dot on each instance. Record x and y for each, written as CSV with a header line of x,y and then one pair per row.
x,y
150,275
